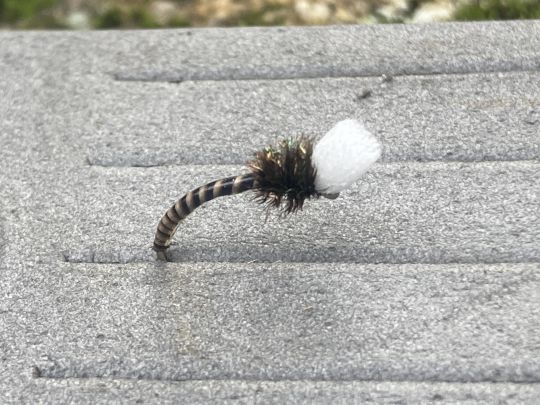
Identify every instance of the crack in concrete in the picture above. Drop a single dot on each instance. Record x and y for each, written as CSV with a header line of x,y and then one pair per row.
x,y
331,73
45,374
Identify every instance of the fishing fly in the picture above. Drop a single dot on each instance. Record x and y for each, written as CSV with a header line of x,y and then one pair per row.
x,y
286,175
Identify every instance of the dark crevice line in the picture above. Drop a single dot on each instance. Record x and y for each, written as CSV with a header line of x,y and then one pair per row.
x,y
164,78
406,161
44,376
303,262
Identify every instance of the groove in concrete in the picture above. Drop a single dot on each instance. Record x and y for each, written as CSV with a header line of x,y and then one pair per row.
x,y
134,164
265,392
337,322
399,213
176,55
176,78
50,374
234,256
465,118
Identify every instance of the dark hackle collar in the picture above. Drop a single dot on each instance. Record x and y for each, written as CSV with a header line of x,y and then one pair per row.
x,y
285,174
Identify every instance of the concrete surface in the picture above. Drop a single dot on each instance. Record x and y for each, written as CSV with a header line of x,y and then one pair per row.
x,y
420,284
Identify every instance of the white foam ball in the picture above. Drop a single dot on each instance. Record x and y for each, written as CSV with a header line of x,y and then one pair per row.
x,y
343,155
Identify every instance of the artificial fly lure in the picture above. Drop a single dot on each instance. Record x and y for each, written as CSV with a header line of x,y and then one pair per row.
x,y
285,176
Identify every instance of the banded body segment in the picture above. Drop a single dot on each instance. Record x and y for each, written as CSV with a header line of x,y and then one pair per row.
x,y
188,203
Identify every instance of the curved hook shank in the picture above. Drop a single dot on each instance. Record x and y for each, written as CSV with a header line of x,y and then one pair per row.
x,y
195,198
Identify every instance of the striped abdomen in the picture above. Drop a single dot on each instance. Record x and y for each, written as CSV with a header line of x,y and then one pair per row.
x,y
195,198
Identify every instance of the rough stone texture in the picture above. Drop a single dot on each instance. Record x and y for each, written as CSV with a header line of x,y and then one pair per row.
x,y
419,284
105,391
329,321
399,213
280,53
420,118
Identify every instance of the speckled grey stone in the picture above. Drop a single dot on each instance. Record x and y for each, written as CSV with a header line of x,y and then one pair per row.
x,y
399,213
282,321
423,117
280,53
419,284
106,391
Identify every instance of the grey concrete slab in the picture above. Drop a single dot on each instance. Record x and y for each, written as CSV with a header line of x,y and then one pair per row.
x,y
90,120
400,213
99,391
457,323
280,321
277,53
421,118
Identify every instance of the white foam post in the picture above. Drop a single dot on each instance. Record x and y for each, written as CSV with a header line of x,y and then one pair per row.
x,y
343,155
